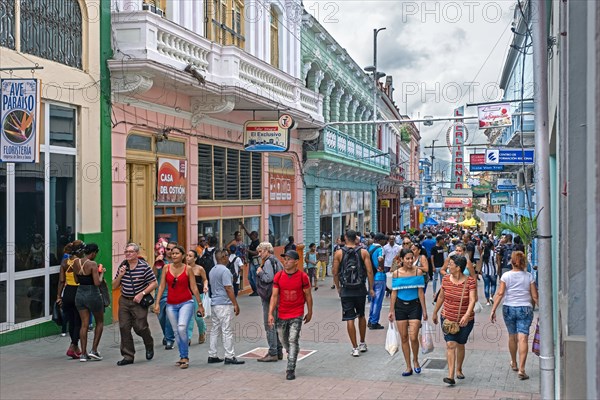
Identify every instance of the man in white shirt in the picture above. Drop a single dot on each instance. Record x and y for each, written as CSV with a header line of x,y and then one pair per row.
x,y
390,251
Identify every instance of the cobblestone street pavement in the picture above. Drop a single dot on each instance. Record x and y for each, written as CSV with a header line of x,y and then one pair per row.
x,y
39,369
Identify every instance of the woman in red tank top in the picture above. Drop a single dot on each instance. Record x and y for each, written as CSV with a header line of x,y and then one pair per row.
x,y
180,306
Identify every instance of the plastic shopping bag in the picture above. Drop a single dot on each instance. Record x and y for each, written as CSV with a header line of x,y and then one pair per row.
x,y
427,334
478,308
392,341
206,303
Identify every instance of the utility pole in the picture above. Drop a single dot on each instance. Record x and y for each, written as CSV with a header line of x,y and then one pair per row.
x,y
542,190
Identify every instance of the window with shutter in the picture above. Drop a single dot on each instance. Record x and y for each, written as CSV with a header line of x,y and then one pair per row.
x,y
219,172
205,172
245,176
233,176
256,176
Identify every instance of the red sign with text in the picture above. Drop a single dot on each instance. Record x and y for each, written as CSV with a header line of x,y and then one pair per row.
x,y
477,159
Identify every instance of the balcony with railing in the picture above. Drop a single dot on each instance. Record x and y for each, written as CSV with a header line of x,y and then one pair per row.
x,y
143,36
337,146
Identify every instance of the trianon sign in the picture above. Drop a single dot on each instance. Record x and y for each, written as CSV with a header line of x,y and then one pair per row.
x,y
462,193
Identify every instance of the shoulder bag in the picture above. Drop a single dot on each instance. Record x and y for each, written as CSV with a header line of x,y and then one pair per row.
x,y
452,327
147,300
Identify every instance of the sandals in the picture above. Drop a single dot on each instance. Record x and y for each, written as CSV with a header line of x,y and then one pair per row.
x,y
184,363
459,375
514,367
523,376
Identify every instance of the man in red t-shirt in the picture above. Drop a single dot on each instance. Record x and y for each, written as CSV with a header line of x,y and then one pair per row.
x,y
291,289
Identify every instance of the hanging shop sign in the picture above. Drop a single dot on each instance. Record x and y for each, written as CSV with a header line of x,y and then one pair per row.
x,y
494,115
506,184
435,206
456,146
457,202
268,136
477,159
172,181
509,156
19,129
499,198
384,203
479,168
466,193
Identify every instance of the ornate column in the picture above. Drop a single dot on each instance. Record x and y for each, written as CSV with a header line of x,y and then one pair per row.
x,y
344,106
335,104
352,117
326,89
314,80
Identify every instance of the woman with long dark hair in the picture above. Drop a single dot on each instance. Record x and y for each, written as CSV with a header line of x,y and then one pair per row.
x,y
407,307
89,300
67,290
202,284
421,262
457,295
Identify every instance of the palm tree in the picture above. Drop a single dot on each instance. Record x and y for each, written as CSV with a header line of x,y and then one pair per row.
x,y
526,229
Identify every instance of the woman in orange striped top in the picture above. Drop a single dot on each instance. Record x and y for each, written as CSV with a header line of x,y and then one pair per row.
x,y
458,296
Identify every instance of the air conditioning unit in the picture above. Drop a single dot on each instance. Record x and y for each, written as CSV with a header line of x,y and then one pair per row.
x,y
153,8
520,179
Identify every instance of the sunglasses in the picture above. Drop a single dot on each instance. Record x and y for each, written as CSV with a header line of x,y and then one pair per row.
x,y
174,283
406,242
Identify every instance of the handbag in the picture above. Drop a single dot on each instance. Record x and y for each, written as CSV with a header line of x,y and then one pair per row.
x,y
104,293
452,327
147,300
535,346
57,315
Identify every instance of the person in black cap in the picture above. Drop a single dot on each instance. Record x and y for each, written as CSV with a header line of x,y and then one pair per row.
x,y
294,287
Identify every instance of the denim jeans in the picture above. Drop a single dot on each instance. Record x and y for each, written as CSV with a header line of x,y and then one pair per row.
x,y
252,276
436,277
489,285
222,323
180,316
289,332
272,336
377,301
165,325
199,320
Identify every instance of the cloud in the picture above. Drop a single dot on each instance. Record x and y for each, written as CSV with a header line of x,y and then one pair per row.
x,y
439,52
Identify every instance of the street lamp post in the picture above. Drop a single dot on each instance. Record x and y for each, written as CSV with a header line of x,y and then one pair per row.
x,y
376,76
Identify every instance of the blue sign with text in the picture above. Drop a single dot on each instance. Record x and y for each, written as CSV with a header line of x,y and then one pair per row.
x,y
477,168
509,156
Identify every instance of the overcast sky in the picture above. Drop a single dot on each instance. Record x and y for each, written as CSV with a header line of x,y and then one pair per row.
x,y
433,49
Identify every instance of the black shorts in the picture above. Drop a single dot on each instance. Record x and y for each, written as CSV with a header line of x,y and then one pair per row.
x,y
353,307
311,272
89,297
463,334
406,310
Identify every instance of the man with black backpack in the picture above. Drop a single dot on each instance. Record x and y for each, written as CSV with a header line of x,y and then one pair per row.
x,y
269,266
351,269
207,259
504,251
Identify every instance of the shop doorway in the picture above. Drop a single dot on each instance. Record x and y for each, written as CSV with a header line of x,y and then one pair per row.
x,y
140,210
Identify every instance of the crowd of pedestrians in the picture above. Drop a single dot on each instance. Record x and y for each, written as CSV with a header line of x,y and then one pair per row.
x,y
183,287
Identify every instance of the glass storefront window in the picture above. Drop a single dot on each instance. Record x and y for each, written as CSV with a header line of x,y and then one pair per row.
x,y
62,204
51,298
230,226
29,215
29,299
209,228
280,228
62,126
252,224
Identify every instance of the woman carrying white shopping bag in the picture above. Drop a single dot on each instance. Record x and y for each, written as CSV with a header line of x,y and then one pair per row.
x,y
392,340
407,307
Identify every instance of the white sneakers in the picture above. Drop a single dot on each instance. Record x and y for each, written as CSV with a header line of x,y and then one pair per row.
x,y
362,348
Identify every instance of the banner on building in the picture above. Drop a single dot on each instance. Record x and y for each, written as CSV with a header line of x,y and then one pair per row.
x,y
19,119
172,181
494,115
268,136
281,188
455,143
457,202
509,156
500,198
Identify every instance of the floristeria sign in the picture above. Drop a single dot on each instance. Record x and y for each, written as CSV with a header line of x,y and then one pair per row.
x,y
19,127
456,202
172,179
494,115
268,136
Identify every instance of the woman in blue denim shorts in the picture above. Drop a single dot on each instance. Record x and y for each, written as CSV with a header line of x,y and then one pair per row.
x,y
517,288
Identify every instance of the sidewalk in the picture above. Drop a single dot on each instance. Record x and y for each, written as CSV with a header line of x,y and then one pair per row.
x,y
39,369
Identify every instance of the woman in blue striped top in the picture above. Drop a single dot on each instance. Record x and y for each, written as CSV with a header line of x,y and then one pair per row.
x,y
407,307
